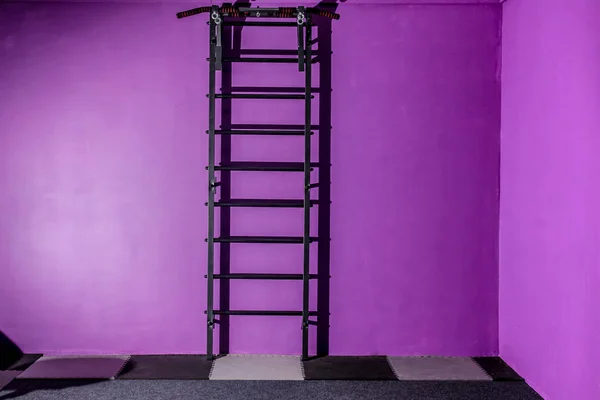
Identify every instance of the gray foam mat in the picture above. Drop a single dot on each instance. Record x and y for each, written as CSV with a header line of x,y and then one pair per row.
x,y
167,367
257,367
6,377
348,368
438,369
75,367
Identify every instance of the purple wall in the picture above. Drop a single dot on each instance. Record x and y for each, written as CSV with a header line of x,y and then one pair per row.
x,y
550,213
102,178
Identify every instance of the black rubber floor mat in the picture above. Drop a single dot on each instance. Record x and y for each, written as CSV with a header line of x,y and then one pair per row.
x,y
195,367
497,369
24,362
348,368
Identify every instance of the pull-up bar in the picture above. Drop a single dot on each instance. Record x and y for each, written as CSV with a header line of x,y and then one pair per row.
x,y
280,12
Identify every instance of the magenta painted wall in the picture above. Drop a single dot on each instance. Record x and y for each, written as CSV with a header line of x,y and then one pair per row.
x,y
550,202
102,182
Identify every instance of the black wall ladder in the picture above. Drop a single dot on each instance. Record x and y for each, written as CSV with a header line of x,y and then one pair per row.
x,y
222,20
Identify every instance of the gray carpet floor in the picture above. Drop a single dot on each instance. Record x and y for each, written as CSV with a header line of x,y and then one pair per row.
x,y
258,390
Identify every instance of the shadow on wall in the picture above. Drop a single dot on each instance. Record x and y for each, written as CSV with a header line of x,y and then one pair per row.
x,y
10,353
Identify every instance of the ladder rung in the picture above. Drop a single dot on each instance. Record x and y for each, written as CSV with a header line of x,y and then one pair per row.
x,y
271,89
259,132
295,277
272,126
261,96
263,313
260,23
276,60
263,239
267,52
278,203
263,166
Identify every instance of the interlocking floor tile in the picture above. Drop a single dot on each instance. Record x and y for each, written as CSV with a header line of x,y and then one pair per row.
x,y
257,367
167,367
498,369
348,368
75,367
438,369
6,377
